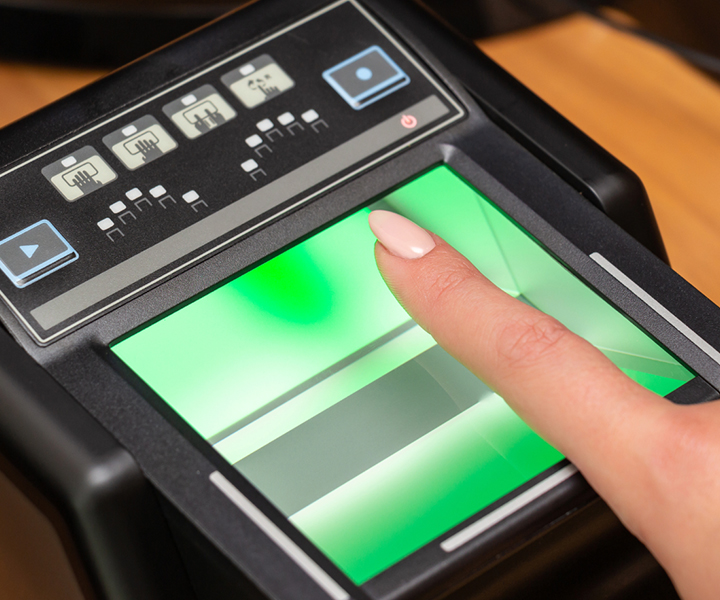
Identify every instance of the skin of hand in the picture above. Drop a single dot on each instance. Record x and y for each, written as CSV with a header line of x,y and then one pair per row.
x,y
656,464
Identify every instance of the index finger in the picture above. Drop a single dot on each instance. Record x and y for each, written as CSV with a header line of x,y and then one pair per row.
x,y
565,388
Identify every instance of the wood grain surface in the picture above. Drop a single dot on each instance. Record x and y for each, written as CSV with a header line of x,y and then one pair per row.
x,y
651,110
26,88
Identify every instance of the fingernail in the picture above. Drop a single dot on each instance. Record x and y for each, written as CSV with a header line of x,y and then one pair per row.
x,y
399,235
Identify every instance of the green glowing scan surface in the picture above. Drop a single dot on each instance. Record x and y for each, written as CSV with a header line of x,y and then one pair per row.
x,y
308,377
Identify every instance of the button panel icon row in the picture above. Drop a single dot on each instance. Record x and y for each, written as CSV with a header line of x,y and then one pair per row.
x,y
360,80
144,140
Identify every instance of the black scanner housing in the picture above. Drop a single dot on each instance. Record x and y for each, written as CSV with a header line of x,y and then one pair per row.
x,y
126,492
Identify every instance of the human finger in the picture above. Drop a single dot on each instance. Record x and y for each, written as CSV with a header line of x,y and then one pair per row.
x,y
565,388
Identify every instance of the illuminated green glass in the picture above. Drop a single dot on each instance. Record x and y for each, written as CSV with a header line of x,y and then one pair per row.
x,y
308,377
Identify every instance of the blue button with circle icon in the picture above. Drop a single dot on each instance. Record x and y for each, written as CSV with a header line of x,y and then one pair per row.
x,y
366,77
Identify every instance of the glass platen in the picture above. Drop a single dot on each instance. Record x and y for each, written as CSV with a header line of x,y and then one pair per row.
x,y
308,377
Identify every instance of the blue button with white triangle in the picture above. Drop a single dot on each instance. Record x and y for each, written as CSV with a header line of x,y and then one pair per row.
x,y
29,250
34,252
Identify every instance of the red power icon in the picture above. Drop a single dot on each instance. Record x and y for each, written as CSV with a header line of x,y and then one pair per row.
x,y
408,121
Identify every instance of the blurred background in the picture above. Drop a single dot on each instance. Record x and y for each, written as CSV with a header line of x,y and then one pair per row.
x,y
109,33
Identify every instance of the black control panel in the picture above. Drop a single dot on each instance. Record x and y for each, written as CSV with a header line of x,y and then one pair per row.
x,y
136,198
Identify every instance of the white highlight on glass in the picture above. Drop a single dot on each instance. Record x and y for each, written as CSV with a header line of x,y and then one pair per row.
x,y
324,394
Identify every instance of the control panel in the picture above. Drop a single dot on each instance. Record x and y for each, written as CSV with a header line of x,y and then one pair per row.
x,y
130,201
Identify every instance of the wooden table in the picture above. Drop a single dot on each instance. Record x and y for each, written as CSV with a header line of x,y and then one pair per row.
x,y
654,112
651,110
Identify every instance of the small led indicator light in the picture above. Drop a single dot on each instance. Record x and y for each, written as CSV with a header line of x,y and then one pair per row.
x,y
408,121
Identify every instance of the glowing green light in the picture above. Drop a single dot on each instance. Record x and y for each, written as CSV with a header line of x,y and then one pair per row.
x,y
307,375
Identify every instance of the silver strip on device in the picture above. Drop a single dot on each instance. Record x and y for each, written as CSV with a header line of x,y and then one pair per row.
x,y
500,514
297,554
656,306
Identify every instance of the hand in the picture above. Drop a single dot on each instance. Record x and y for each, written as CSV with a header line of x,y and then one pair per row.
x,y
149,149
83,180
656,464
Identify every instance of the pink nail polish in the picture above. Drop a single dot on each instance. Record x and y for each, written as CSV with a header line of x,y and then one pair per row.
x,y
399,235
